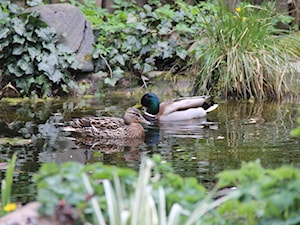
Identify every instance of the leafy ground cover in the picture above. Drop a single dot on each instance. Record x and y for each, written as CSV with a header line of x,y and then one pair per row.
x,y
30,58
227,53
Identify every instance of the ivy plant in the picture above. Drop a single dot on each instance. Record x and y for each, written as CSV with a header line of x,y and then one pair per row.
x,y
30,56
138,40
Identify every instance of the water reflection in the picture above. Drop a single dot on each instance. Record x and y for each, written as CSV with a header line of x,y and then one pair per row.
x,y
195,128
233,133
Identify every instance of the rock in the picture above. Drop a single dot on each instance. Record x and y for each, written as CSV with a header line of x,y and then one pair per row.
x,y
27,215
72,29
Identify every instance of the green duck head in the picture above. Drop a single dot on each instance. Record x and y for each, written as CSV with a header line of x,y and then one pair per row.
x,y
151,102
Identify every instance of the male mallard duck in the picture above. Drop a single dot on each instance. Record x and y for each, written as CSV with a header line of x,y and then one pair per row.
x,y
112,127
176,109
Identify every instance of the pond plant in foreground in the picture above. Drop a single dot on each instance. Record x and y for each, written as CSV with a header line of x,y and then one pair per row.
x,y
158,196
100,194
6,205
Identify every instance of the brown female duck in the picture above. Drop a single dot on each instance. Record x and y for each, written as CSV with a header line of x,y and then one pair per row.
x,y
112,127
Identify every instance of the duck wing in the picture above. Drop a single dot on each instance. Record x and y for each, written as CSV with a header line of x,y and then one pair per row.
x,y
181,104
101,123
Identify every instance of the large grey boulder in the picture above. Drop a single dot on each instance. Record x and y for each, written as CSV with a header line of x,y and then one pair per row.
x,y
72,29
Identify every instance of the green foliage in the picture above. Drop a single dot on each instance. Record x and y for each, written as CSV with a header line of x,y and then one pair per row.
x,y
242,54
106,194
139,40
239,54
263,196
118,188
30,57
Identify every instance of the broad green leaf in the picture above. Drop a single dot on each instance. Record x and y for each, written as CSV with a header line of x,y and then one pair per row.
x,y
164,30
33,52
18,50
56,76
147,67
18,39
182,53
118,58
18,26
4,33
13,69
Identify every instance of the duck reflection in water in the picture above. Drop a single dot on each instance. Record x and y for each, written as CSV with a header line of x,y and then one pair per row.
x,y
195,128
128,147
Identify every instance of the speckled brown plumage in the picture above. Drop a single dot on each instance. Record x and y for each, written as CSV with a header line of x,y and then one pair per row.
x,y
112,127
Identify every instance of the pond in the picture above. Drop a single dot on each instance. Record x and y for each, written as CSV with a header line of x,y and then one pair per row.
x,y
234,133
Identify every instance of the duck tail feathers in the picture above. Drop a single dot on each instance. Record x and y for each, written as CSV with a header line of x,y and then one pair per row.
x,y
211,107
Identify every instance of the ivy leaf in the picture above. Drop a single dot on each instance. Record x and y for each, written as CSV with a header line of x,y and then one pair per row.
x,y
148,8
4,32
56,76
18,39
33,52
147,67
25,66
164,30
117,74
18,50
118,58
34,2
25,84
48,64
144,41
18,26
14,70
181,53
45,33
141,27
184,28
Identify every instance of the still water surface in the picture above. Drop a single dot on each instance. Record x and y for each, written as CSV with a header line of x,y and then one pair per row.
x,y
232,134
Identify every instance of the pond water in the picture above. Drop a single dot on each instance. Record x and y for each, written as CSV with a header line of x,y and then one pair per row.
x,y
232,134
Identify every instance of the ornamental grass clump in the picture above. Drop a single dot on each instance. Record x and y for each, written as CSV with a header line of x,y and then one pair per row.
x,y
243,54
